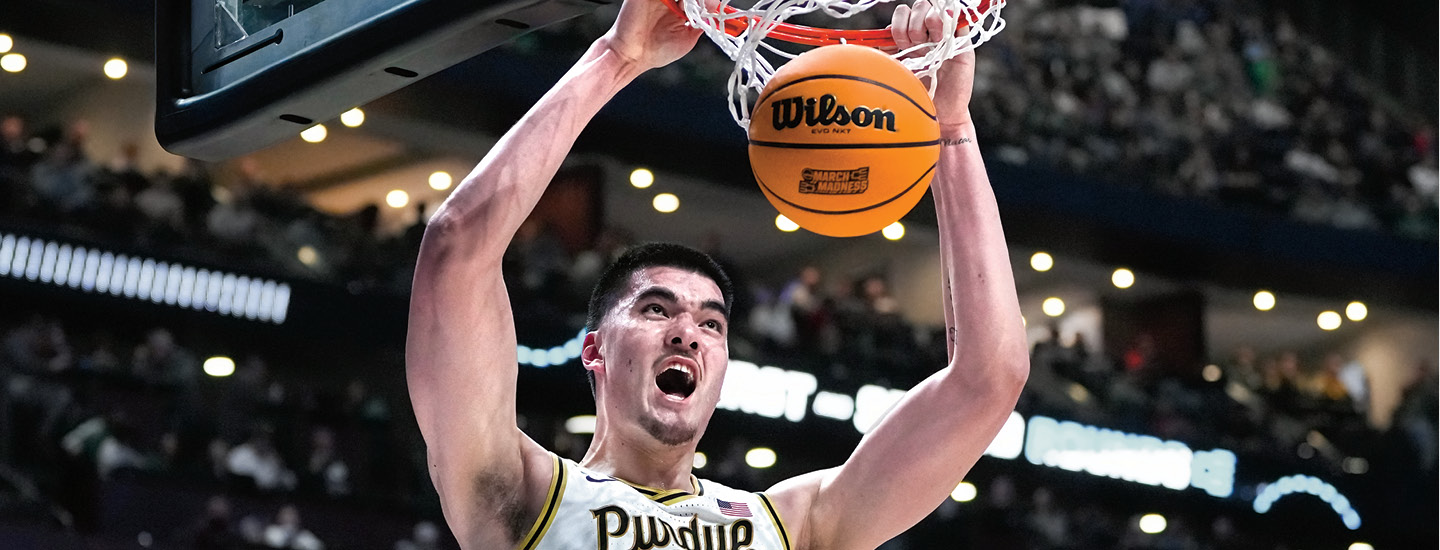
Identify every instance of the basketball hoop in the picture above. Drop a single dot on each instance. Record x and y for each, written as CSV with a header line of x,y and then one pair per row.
x,y
740,34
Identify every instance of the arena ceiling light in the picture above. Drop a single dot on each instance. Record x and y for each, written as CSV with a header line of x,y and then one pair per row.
x,y
1328,320
964,492
440,180
1152,524
1264,300
12,62
116,68
894,231
1361,546
1053,306
1041,261
785,224
1211,373
1122,278
666,203
397,198
700,460
6,43
352,118
1356,311
760,458
219,366
314,134
642,178
307,255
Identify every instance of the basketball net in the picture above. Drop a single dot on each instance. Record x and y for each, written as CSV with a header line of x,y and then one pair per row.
x,y
740,33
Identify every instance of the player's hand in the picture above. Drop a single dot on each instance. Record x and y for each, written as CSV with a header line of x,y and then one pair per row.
x,y
921,24
648,34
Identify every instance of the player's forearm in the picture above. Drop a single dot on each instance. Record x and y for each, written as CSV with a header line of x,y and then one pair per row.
x,y
492,201
982,313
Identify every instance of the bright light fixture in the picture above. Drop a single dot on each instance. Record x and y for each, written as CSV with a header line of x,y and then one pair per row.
x,y
894,231
1123,278
12,62
1264,300
642,178
6,43
116,68
760,457
1041,261
700,460
1152,523
352,118
583,424
1053,306
785,224
1328,320
219,366
1211,373
314,134
397,199
1356,311
307,255
1361,546
440,180
964,492
666,202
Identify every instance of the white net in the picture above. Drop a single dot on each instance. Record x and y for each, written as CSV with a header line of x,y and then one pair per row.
x,y
753,70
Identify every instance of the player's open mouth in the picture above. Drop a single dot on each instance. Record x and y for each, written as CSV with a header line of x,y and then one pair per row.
x,y
677,380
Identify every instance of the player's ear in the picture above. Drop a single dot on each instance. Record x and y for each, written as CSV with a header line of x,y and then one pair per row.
x,y
590,356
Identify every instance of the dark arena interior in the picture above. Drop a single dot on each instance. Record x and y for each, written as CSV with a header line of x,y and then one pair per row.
x,y
1221,216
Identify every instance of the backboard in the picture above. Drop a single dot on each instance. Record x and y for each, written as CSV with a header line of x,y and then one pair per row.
x,y
235,76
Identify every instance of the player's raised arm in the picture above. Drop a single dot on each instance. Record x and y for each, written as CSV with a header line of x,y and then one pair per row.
x,y
911,461
460,353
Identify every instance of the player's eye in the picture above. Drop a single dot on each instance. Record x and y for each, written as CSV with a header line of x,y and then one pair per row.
x,y
655,308
713,325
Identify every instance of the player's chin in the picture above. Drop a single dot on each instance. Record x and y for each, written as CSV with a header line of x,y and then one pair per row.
x,y
671,429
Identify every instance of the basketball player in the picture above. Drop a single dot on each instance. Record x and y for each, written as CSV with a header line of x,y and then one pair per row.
x,y
657,353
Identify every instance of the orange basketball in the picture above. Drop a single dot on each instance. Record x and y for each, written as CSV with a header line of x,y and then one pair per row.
x,y
843,140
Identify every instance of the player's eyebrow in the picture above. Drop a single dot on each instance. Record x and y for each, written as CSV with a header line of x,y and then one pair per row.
x,y
668,295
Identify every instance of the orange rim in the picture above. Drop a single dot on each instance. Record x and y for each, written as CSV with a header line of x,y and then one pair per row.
x,y
816,36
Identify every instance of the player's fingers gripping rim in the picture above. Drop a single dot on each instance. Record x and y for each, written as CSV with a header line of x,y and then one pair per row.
x,y
916,29
934,25
900,27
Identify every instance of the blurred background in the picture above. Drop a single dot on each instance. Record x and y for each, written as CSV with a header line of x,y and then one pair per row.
x,y
1221,217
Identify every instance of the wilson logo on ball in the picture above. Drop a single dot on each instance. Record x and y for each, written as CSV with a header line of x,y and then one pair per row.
x,y
826,111
834,182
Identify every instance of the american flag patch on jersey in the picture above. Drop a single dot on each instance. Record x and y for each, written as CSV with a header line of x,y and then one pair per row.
x,y
737,509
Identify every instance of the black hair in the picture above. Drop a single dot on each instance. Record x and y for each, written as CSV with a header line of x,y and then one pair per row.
x,y
616,278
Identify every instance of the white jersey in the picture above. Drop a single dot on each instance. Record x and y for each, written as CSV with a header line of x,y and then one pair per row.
x,y
587,510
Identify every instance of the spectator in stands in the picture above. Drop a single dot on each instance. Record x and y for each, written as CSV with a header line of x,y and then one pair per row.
x,y
325,472
1416,416
1048,524
216,529
286,532
62,178
425,537
160,360
163,211
108,443
256,463
804,298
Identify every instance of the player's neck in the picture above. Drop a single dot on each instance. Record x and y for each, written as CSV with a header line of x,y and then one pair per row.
x,y
641,460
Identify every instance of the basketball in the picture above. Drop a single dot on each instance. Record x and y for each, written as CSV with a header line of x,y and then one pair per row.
x,y
844,140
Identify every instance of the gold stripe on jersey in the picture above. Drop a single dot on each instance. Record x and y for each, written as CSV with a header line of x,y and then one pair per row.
x,y
547,514
667,496
775,517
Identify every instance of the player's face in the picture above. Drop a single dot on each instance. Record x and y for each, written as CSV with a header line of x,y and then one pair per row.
x,y
665,354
